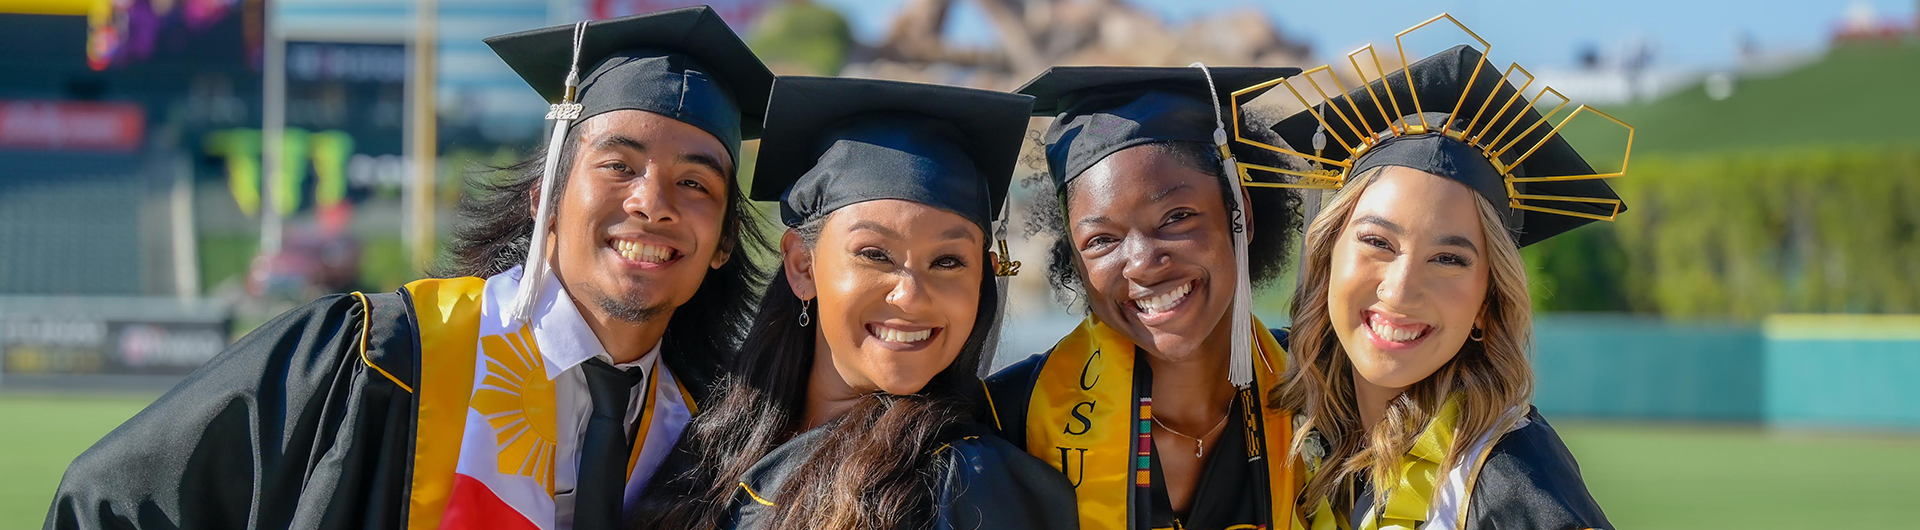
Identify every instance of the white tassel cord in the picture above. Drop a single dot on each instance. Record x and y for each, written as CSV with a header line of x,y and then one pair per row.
x,y
533,273
1240,373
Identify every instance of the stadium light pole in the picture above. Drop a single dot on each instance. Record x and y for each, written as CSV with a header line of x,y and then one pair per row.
x,y
273,104
424,139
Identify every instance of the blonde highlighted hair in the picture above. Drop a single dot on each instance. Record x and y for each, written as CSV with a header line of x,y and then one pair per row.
x,y
1489,377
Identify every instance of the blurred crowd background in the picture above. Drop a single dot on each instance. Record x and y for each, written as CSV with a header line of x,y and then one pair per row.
x,y
1739,350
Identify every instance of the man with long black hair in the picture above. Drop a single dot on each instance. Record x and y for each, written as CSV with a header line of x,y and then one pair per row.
x,y
525,389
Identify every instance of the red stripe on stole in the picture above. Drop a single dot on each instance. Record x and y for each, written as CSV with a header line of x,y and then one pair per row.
x,y
474,506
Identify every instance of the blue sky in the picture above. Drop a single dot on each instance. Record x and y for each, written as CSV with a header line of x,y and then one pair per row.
x,y
1540,34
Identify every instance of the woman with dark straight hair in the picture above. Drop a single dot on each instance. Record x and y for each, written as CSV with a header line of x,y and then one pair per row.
x,y
848,404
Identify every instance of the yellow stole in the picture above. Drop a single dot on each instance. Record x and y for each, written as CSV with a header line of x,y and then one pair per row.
x,y
448,315
1408,502
448,312
1082,419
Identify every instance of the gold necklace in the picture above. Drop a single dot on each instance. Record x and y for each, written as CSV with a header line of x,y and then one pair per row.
x,y
1199,444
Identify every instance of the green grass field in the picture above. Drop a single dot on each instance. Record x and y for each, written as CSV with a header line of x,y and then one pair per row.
x,y
44,433
1651,477
1648,477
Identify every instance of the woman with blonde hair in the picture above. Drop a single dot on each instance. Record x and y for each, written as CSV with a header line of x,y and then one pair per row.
x,y
1408,355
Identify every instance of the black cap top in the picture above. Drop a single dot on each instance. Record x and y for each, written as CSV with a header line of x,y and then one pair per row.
x,y
833,142
1441,80
1104,109
685,64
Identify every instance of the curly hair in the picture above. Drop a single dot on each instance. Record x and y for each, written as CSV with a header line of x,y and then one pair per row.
x,y
1276,211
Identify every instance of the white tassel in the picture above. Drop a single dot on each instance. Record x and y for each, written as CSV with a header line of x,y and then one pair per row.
x,y
533,273
1240,372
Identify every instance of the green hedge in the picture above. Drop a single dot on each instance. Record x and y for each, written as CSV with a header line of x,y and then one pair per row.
x,y
802,38
1746,234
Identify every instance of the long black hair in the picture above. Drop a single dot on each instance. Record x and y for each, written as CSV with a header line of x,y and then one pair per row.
x,y
496,226
874,468
1275,215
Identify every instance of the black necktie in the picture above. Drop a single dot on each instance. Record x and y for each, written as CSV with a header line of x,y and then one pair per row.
x,y
601,488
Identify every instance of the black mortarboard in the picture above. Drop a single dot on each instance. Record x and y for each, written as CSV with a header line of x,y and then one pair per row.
x,y
685,64
1099,110
832,142
1427,141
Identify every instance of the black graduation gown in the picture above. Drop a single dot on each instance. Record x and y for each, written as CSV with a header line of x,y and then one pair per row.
x,y
1226,494
990,484
287,428
1529,481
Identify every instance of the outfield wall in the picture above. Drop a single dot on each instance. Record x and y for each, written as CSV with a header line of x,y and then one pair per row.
x,y
1837,370
1815,371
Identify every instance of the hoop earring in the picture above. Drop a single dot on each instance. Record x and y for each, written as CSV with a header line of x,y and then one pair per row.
x,y
806,306
1478,334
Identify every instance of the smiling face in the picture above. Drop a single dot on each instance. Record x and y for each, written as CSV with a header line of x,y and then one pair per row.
x,y
1155,250
1408,277
897,286
639,223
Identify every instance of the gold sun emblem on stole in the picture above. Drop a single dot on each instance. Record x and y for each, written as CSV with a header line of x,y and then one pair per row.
x,y
516,398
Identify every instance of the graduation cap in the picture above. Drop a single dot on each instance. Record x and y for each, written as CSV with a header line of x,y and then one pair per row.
x,y
1455,115
833,142
1100,110
684,64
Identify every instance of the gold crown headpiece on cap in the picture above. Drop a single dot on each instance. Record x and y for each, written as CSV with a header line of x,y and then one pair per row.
x,y
1492,138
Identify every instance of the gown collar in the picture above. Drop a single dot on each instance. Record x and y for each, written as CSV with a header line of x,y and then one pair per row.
x,y
563,335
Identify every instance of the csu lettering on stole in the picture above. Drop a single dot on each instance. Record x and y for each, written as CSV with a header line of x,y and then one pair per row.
x,y
1067,465
1085,424
1091,359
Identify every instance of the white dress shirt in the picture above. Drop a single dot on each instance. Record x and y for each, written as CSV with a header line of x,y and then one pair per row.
x,y
565,341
